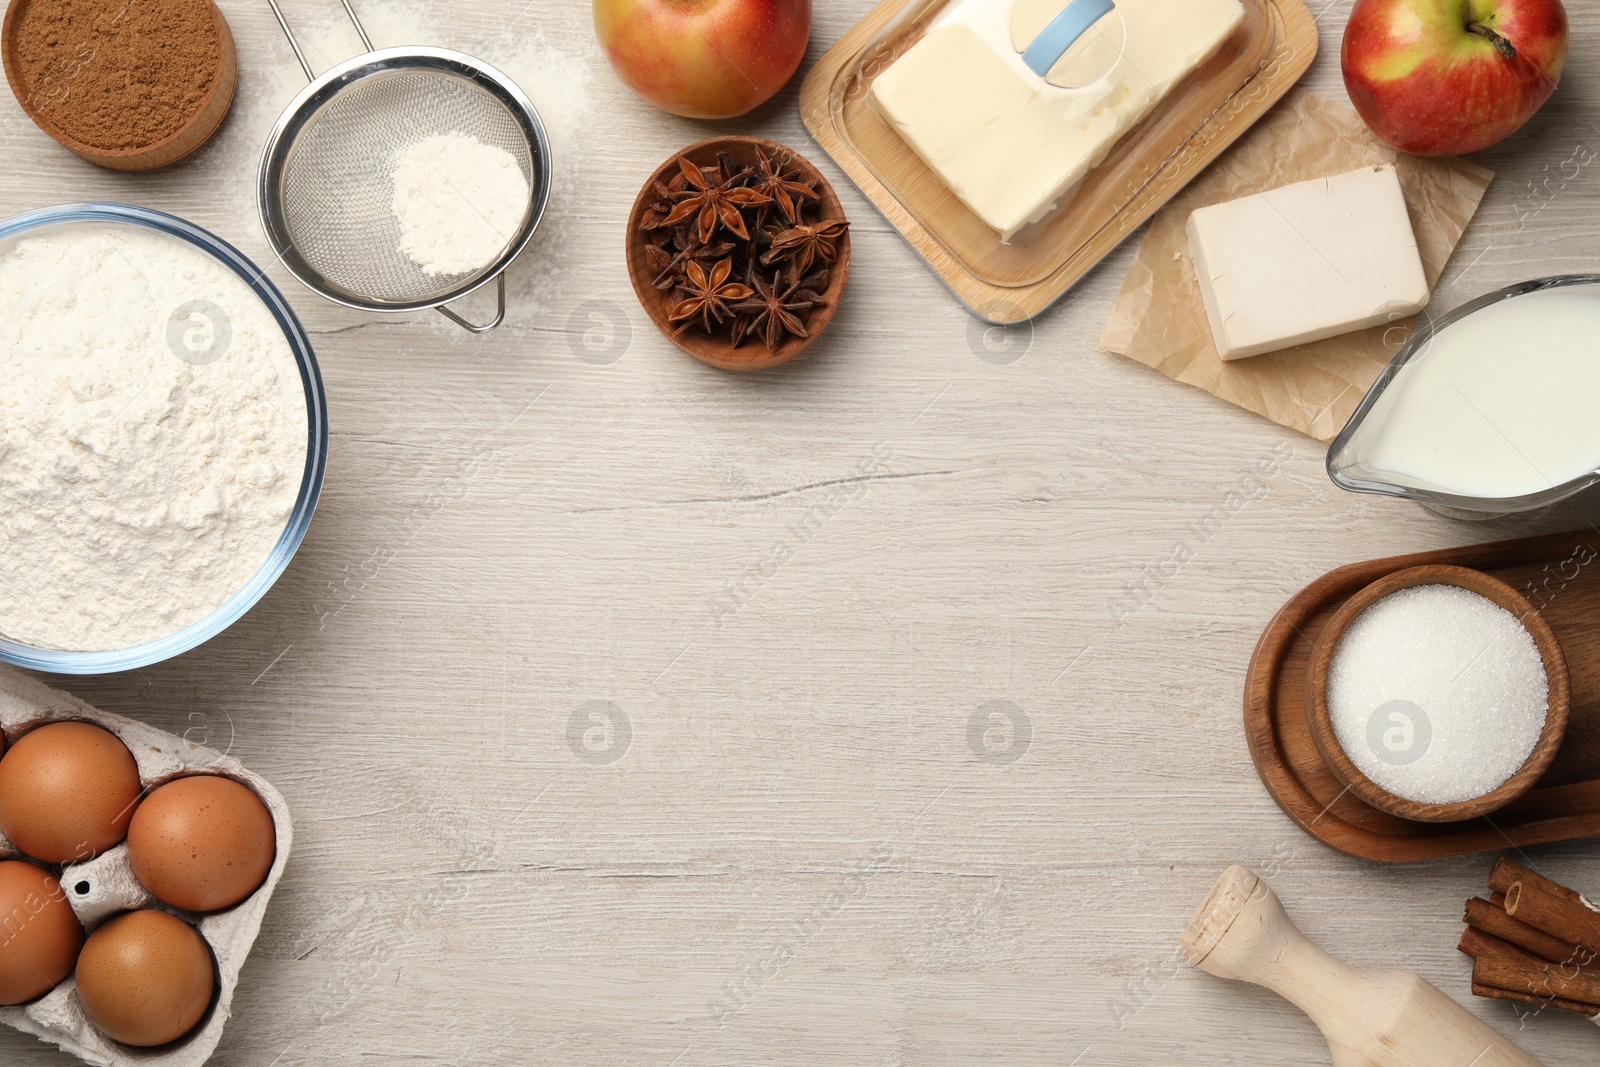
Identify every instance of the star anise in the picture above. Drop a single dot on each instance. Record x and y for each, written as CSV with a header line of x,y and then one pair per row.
x,y
656,215
817,281
740,327
667,265
657,260
770,179
710,201
707,297
732,170
777,310
807,244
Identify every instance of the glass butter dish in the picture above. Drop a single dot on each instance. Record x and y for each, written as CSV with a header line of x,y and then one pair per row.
x,y
1015,142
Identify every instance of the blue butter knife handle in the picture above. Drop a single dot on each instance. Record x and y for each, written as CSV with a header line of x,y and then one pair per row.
x,y
1063,30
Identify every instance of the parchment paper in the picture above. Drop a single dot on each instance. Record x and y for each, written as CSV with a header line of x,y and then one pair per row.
x,y
1160,321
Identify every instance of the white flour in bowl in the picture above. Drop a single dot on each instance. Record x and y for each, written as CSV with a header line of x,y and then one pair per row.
x,y
459,202
153,436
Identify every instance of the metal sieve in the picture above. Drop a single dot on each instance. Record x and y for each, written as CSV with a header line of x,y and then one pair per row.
x,y
327,173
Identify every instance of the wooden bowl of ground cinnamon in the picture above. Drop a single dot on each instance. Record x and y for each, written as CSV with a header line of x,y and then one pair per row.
x,y
125,84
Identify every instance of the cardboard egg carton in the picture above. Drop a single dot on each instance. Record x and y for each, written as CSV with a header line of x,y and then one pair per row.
x,y
106,885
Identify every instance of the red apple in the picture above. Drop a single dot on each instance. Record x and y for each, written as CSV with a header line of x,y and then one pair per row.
x,y
1445,77
704,59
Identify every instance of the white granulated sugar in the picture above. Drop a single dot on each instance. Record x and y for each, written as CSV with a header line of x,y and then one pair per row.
x,y
148,464
1437,694
459,202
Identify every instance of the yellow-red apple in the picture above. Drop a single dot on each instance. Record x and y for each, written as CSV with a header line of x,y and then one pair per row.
x,y
1444,77
704,59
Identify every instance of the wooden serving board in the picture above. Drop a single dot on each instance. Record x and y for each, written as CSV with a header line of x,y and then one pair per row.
x,y
1012,283
1560,576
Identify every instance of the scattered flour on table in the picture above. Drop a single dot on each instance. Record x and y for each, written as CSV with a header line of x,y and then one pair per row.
x,y
557,81
153,436
459,202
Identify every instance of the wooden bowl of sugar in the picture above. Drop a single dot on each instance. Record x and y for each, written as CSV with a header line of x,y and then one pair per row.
x,y
127,86
1437,694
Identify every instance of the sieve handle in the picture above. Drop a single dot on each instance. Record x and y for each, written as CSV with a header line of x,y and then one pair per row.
x,y
361,30
471,327
305,64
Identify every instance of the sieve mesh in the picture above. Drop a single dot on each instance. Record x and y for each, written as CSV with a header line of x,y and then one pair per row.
x,y
338,180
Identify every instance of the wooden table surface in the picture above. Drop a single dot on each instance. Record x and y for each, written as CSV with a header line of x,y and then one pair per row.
x,y
636,713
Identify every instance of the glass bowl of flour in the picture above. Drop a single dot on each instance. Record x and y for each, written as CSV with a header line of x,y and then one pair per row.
x,y
163,437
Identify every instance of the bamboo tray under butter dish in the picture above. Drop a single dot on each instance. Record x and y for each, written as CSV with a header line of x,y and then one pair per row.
x,y
1011,282
1559,575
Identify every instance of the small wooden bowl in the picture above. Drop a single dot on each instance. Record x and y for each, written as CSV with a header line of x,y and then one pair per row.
x,y
1544,750
753,354
194,133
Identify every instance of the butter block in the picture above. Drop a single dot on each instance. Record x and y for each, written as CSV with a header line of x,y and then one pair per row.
x,y
1307,261
1009,143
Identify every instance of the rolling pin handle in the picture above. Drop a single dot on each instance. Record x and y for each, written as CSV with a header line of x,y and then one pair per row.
x,y
1370,1018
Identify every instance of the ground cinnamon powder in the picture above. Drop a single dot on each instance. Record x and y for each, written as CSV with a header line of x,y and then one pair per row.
x,y
117,74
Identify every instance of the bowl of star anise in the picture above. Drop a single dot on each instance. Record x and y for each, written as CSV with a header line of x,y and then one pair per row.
x,y
739,250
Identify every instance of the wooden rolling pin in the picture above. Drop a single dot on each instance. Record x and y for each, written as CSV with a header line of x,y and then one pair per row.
x,y
1370,1019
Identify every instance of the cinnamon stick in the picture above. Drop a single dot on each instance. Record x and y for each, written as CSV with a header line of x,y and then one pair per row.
x,y
1508,871
1545,905
1478,944
1484,915
1481,990
1543,980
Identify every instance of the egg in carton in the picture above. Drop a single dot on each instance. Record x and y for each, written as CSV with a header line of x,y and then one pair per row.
x,y
106,886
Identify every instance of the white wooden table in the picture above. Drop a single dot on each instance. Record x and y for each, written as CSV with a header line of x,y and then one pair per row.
x,y
561,797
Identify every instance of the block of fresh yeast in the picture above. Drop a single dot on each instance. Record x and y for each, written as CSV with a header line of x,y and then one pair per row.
x,y
1307,261
1011,123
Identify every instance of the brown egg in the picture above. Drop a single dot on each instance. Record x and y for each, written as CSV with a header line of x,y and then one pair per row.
x,y
67,792
145,978
39,934
202,843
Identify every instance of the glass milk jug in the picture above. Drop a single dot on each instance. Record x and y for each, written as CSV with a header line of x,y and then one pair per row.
x,y
1490,410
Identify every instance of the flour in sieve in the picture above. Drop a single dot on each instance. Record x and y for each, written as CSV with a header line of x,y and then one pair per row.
x,y
148,465
459,202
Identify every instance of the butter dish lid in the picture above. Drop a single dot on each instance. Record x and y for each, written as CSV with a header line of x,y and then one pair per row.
x,y
1010,103
1012,182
